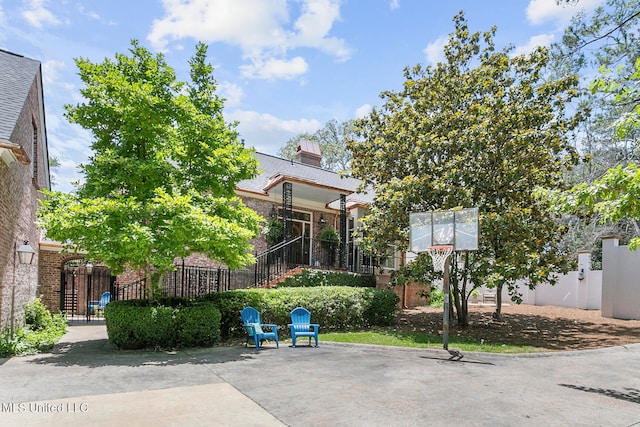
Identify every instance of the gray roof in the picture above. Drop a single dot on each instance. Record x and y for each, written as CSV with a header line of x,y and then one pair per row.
x,y
271,166
274,170
17,75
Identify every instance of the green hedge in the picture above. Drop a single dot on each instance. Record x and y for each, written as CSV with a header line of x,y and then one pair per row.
x,y
178,322
169,323
333,307
309,278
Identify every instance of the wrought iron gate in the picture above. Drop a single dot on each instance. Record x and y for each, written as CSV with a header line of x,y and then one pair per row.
x,y
81,293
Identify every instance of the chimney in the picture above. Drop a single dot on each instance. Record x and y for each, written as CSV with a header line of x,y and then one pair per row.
x,y
308,153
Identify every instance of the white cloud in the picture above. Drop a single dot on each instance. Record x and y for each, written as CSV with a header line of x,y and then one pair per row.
x,y
51,71
268,133
542,11
232,93
262,29
435,50
272,68
535,41
36,14
89,13
71,145
247,23
394,4
313,26
363,110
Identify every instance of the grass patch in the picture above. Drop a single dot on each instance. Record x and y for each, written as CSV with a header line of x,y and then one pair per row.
x,y
421,340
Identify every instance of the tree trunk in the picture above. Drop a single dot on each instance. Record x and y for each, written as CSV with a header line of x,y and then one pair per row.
x,y
462,302
498,313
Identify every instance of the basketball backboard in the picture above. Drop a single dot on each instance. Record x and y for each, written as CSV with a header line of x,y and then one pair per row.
x,y
458,227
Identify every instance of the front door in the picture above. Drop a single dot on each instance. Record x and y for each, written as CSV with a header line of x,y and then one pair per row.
x,y
300,227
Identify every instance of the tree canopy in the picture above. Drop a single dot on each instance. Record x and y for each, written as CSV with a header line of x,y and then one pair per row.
x,y
615,196
481,129
160,182
331,139
602,46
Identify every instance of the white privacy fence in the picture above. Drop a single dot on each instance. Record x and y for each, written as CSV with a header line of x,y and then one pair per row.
x,y
615,290
620,280
576,289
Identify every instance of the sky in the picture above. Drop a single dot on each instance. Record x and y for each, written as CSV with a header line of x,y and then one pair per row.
x,y
285,67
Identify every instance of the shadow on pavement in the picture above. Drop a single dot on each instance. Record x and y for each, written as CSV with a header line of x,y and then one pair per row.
x,y
100,352
630,395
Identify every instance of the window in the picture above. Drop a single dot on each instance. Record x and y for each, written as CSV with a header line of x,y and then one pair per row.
x,y
34,150
388,260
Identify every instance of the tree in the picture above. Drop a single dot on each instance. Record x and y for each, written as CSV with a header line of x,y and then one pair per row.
x,y
482,129
54,165
331,140
606,39
160,183
616,195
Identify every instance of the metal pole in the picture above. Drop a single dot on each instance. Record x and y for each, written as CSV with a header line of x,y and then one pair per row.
x,y
445,315
88,297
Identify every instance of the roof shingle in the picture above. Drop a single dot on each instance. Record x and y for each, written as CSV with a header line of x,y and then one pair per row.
x,y
18,74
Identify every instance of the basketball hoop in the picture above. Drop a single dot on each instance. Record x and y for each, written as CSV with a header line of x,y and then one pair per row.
x,y
439,255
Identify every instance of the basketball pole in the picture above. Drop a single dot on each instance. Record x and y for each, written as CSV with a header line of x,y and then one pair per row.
x,y
445,315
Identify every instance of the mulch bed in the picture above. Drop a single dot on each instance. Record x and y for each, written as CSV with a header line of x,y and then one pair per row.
x,y
545,327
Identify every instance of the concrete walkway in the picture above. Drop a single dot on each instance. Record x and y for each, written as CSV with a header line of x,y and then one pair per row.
x,y
85,381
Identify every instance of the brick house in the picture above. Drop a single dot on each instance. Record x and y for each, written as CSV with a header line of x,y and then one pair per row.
x,y
24,170
305,199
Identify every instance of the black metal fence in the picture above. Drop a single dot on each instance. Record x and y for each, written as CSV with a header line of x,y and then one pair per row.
x,y
185,281
190,282
307,252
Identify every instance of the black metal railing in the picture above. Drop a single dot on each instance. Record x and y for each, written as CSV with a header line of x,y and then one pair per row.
x,y
313,253
277,260
190,282
133,290
185,281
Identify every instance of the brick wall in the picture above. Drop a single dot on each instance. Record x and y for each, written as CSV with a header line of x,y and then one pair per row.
x,y
410,295
18,204
49,269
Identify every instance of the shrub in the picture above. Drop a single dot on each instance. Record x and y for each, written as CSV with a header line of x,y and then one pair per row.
x,y
273,232
333,307
310,277
40,332
436,298
230,304
166,324
329,241
195,325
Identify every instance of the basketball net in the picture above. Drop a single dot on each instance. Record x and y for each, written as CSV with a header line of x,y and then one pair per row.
x,y
439,255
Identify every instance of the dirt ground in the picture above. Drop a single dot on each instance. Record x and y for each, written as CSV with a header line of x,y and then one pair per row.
x,y
545,327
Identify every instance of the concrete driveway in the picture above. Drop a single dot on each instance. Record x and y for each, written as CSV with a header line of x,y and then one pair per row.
x,y
85,381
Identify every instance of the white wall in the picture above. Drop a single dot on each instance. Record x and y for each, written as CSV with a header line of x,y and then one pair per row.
x,y
569,291
615,290
620,280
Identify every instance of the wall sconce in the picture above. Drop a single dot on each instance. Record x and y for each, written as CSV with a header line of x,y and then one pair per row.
x,y
25,253
274,212
322,220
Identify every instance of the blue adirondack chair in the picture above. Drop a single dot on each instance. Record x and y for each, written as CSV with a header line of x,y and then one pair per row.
x,y
301,325
255,329
104,300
